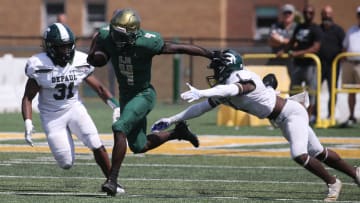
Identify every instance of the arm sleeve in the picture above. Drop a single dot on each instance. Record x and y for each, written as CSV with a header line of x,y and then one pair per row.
x,y
222,90
192,112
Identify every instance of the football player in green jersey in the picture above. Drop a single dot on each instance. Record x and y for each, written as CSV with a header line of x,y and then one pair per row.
x,y
130,50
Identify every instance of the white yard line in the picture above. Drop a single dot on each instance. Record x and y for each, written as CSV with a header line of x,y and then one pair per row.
x,y
170,179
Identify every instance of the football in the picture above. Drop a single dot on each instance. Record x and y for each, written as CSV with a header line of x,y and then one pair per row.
x,y
98,59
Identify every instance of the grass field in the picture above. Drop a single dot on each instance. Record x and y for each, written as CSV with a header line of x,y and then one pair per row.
x,y
219,171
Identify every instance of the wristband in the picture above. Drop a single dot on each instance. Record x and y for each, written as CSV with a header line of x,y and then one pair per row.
x,y
113,103
28,124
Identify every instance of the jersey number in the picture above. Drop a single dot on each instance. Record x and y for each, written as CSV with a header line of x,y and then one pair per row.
x,y
62,91
127,70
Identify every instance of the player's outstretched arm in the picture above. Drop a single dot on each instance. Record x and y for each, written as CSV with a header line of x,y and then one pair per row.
x,y
218,91
177,48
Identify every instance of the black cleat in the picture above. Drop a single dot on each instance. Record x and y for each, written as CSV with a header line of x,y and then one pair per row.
x,y
183,132
109,187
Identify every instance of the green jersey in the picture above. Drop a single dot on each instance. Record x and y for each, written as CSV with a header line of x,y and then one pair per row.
x,y
133,65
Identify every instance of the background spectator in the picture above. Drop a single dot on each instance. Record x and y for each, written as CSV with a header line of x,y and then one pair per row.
x,y
306,39
331,45
351,67
280,34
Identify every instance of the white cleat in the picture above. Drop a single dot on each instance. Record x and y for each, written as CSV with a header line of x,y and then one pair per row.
x,y
334,191
357,178
120,190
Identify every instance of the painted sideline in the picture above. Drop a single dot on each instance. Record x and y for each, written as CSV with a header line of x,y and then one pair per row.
x,y
261,146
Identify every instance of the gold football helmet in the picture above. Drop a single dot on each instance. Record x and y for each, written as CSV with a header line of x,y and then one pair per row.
x,y
124,26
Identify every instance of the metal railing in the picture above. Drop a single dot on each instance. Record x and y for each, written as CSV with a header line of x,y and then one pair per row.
x,y
334,87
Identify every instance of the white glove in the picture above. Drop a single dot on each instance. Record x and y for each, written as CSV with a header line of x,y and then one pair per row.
x,y
161,124
29,130
116,114
191,95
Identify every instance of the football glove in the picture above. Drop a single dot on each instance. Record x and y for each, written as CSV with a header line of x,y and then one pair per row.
x,y
217,55
217,59
29,130
116,114
161,124
270,81
192,95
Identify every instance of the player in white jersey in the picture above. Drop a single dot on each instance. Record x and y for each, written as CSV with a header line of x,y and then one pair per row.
x,y
245,91
56,75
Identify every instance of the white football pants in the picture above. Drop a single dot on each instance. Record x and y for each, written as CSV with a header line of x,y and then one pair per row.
x,y
59,126
294,124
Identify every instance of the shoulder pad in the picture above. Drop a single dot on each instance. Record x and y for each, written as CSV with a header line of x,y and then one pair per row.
x,y
36,64
239,76
151,42
104,31
80,63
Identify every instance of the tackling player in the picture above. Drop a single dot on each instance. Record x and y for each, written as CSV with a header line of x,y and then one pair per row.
x,y
130,50
244,90
56,74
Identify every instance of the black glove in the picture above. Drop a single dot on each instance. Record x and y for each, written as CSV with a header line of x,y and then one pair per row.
x,y
217,59
218,55
270,80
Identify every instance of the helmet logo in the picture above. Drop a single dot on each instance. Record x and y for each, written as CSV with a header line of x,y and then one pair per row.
x,y
231,59
64,34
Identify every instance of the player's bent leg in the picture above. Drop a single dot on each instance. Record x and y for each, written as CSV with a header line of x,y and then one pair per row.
x,y
181,132
332,159
154,140
314,166
62,149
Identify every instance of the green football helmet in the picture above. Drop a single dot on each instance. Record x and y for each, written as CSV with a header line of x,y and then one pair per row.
x,y
227,62
59,44
124,27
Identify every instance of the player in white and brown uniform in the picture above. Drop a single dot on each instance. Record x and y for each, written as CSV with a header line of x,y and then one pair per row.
x,y
244,90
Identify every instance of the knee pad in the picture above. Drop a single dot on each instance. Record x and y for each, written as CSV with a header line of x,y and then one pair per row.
x,y
101,148
303,159
323,155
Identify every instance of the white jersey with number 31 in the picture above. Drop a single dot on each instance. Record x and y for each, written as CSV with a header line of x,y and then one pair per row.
x,y
59,86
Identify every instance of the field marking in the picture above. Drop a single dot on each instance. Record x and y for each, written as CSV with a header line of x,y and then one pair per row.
x,y
55,193
140,195
34,162
170,180
52,162
347,147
